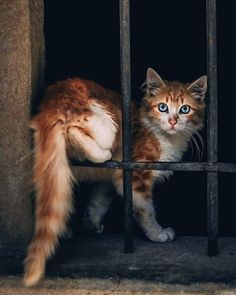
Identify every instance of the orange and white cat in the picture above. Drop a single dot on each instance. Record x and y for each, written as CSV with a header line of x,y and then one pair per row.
x,y
80,119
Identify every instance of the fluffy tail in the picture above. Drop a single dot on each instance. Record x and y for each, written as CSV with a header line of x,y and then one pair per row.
x,y
53,181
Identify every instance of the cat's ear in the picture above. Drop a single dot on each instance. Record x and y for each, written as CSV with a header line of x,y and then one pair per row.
x,y
198,88
153,83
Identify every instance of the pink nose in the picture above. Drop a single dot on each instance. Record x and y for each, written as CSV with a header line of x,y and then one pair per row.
x,y
173,121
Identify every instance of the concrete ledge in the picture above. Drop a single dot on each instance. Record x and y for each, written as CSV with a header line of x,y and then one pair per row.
x,y
64,286
183,261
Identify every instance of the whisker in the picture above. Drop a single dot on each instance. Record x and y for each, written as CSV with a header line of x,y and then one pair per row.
x,y
192,139
201,140
201,151
193,136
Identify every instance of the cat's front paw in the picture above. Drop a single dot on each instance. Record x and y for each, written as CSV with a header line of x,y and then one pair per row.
x,y
165,235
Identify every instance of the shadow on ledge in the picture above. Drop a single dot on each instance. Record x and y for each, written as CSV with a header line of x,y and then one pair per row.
x,y
183,261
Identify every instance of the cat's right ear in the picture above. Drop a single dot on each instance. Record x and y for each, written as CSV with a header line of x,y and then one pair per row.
x,y
153,83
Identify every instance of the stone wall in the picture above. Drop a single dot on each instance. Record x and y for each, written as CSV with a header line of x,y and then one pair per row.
x,y
22,63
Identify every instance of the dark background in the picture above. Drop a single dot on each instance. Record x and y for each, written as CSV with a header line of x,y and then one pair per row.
x,y
82,39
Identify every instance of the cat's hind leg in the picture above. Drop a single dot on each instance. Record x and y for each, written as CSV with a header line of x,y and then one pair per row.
x,y
98,206
84,144
93,136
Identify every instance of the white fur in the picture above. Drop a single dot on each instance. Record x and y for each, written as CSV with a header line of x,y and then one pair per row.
x,y
89,147
172,149
102,126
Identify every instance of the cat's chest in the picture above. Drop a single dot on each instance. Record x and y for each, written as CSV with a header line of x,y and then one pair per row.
x,y
171,150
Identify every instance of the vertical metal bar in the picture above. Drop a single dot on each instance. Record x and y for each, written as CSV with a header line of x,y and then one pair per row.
x,y
212,211
127,131
212,128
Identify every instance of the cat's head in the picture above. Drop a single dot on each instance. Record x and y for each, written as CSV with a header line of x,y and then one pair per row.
x,y
173,107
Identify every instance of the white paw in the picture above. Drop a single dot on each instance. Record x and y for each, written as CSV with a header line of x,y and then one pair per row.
x,y
165,235
96,228
101,156
99,229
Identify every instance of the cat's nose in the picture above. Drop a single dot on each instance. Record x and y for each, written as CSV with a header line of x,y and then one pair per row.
x,y
172,121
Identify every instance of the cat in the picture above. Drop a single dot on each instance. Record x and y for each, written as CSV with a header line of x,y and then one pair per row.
x,y
82,120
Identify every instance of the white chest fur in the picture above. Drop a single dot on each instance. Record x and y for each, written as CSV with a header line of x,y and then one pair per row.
x,y
172,149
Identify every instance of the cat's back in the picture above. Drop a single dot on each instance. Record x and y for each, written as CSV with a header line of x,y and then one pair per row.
x,y
76,94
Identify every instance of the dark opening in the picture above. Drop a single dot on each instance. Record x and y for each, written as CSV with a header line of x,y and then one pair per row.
x,y
82,39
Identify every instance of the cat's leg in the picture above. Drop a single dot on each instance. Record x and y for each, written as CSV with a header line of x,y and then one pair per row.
x,y
98,205
85,144
143,205
93,136
145,216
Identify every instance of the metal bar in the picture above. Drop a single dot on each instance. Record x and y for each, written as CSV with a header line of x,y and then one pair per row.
x,y
212,128
174,166
212,207
127,117
128,212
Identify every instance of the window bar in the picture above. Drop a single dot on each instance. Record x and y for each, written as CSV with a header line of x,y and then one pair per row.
x,y
212,128
126,120
174,166
212,166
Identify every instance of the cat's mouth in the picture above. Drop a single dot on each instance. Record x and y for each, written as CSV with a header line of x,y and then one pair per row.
x,y
172,130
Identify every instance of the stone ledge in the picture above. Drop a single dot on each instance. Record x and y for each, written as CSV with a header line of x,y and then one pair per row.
x,y
183,261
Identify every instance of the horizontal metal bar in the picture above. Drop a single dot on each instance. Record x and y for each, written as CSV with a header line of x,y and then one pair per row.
x,y
174,166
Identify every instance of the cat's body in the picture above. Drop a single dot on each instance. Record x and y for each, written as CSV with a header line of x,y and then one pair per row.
x,y
80,119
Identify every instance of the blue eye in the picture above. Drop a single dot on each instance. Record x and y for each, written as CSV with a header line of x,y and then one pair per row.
x,y
162,107
185,109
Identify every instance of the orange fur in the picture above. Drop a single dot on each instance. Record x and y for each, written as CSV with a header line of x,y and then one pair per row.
x,y
80,119
66,106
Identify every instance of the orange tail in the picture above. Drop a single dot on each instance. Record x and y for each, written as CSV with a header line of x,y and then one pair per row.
x,y
53,180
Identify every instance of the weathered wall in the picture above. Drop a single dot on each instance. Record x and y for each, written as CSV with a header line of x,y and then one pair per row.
x,y
21,77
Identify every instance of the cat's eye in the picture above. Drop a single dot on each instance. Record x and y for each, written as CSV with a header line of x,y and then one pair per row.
x,y
162,107
185,109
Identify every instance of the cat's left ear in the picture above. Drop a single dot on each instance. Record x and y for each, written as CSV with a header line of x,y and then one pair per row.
x,y
198,88
153,83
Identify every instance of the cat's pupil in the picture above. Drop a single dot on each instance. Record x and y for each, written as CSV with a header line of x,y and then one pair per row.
x,y
162,107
